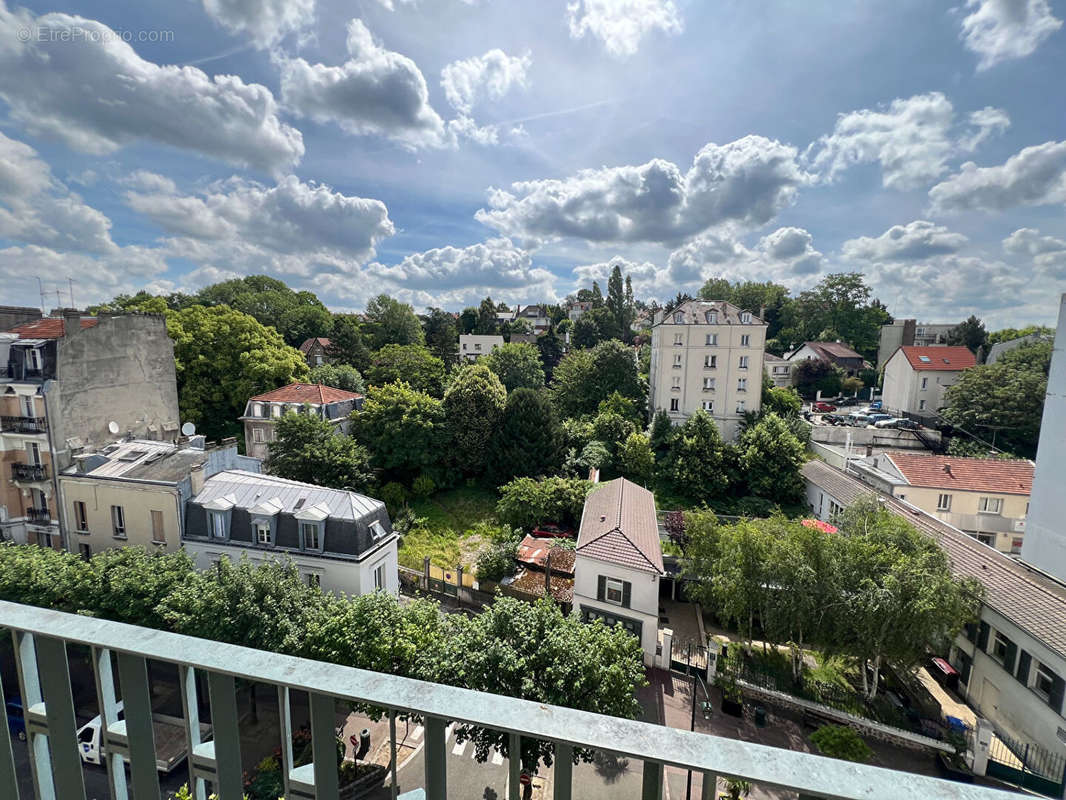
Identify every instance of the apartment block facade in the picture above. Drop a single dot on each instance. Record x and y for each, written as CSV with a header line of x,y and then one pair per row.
x,y
707,356
917,378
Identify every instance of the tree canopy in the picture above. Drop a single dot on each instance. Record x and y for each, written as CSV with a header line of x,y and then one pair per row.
x,y
771,458
339,376
389,321
403,429
584,378
529,439
472,406
970,333
311,450
525,502
696,465
442,335
295,315
410,363
517,365
346,342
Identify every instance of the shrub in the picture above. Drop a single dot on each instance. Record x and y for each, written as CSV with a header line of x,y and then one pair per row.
x,y
394,495
423,486
525,503
840,741
497,561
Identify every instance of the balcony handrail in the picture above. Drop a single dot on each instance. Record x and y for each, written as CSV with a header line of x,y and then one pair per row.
x,y
655,744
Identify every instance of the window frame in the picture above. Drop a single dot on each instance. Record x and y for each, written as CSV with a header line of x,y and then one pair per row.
x,y
307,525
257,435
710,361
711,340
675,404
1045,672
118,522
998,640
708,406
742,384
943,502
378,571
216,522
614,584
983,504
81,517
153,515
745,340
743,362
740,407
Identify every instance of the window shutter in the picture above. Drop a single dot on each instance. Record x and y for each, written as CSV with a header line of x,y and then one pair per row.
x,y
1055,700
1023,668
627,590
982,636
970,629
601,587
1011,656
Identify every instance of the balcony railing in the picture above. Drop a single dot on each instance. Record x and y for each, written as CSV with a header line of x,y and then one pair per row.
x,y
39,514
41,638
23,424
30,472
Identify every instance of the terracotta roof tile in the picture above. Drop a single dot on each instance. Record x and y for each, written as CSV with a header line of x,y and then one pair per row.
x,y
967,474
533,551
619,525
943,359
307,393
47,328
831,350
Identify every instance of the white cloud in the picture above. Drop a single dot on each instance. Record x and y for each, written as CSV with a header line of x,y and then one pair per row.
x,y
94,93
621,24
1048,252
646,277
912,139
292,226
785,256
1000,30
266,22
1033,177
739,185
915,240
376,92
488,77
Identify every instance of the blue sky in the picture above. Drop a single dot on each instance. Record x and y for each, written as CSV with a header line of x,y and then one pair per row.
x,y
442,150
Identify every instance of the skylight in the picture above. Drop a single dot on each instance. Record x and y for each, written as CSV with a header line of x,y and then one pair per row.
x,y
925,359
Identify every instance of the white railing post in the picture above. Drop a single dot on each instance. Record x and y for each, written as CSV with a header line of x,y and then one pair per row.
x,y
108,707
190,703
140,738
62,741
30,689
9,785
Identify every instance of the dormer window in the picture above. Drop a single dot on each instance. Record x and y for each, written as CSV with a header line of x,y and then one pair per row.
x,y
35,362
311,536
257,409
679,318
275,410
218,524
745,317
712,317
263,533
377,530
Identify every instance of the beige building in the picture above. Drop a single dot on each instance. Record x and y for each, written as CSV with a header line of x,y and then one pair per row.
x,y
987,498
707,355
908,332
916,378
262,412
474,345
778,370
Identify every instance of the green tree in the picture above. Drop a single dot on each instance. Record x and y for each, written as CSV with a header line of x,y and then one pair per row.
x,y
346,343
295,315
442,335
468,320
529,439
410,363
222,358
636,461
473,406
339,376
741,584
584,378
525,502
766,300
813,375
771,458
970,333
587,331
310,450
783,401
389,321
838,307
695,466
517,365
487,322
551,351
1007,334
402,428
851,385
661,434
612,429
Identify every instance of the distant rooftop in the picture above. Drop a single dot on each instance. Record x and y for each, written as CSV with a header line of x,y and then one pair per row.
x,y
141,459
619,525
695,313
47,328
944,359
1005,476
315,393
305,348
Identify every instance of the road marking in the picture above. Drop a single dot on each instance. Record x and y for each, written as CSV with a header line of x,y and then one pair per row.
x,y
459,748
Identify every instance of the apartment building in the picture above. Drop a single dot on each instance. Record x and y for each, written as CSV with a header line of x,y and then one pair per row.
x,y
262,412
69,384
916,378
339,540
986,498
908,333
778,370
474,345
707,355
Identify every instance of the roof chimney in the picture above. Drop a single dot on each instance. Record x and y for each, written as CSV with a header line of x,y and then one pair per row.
x,y
603,517
947,469
71,321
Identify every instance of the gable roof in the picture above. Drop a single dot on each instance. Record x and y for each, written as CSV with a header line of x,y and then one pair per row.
x,y
831,350
307,393
305,348
967,474
619,525
942,359
47,328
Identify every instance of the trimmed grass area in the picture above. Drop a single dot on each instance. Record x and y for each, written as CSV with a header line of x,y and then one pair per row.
x,y
446,536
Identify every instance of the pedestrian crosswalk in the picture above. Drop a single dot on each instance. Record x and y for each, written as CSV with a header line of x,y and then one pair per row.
x,y
458,748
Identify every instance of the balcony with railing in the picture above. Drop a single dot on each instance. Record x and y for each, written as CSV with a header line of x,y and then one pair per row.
x,y
23,424
39,515
29,472
41,639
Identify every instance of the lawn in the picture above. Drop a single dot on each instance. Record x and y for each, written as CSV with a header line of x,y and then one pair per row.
x,y
445,535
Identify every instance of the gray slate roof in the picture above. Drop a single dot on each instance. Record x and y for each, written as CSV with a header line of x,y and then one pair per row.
x,y
143,459
248,489
695,313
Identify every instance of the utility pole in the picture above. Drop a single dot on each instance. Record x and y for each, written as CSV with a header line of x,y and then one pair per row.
x,y
70,282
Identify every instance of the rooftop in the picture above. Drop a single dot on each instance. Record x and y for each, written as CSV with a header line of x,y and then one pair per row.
x,y
965,474
535,551
695,312
305,348
315,393
141,459
944,359
619,526
249,490
831,350
47,328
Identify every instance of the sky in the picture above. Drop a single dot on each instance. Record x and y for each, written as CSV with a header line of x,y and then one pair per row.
x,y
443,150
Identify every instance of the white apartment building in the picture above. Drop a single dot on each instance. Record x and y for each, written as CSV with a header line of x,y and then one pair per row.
x,y
707,355
779,370
474,345
916,378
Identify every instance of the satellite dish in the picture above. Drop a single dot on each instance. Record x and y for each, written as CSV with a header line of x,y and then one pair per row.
x,y
188,429
112,426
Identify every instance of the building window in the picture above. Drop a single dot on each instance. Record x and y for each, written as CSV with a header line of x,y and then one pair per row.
x,y
257,409
745,317
85,550
1002,648
990,505
593,614
614,591
743,362
81,517
708,384
677,384
710,362
986,538
740,406
275,411
943,502
118,521
834,509
679,318
677,339
262,532
218,525
708,406
311,536
33,454
745,340
1044,683
257,435
677,361
35,359
379,577
921,405
477,345
925,383
712,340
674,404
712,317
159,535
742,384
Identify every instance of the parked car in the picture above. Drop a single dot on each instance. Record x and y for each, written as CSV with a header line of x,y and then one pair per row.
x,y
832,419
875,405
909,425
553,532
875,418
891,422
16,720
857,420
823,408
847,401
171,747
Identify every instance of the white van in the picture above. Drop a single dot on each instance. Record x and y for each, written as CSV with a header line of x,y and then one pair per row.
x,y
168,733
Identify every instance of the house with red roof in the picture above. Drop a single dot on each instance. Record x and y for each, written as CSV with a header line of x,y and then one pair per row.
x,y
836,353
619,561
987,498
316,351
262,412
916,378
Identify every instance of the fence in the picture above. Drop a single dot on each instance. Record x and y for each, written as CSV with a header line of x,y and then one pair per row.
x,y
1027,765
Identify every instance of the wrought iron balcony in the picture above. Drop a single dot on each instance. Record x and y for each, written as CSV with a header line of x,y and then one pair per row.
x,y
23,424
39,514
41,639
30,472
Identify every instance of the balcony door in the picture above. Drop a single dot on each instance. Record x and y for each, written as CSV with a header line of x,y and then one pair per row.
x,y
33,454
26,403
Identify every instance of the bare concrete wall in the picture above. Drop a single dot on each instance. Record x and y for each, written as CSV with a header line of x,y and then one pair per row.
x,y
120,370
10,316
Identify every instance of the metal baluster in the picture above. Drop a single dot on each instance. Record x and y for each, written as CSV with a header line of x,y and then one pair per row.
x,y
137,704
564,772
62,738
190,702
436,768
9,786
710,786
324,745
514,766
225,722
285,721
652,786
392,750
30,687
108,705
